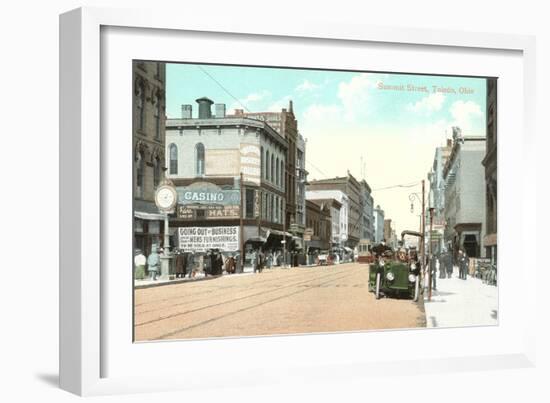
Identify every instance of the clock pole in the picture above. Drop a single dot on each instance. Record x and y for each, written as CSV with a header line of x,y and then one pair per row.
x,y
165,209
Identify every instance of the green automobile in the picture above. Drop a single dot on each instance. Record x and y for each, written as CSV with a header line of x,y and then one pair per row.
x,y
396,273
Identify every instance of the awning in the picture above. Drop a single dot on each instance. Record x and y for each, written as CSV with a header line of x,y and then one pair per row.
x,y
270,231
347,249
148,216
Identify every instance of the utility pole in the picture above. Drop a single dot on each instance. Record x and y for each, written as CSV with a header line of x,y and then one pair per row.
x,y
423,231
241,224
431,255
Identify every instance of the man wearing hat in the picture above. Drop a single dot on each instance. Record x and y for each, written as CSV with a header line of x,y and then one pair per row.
x,y
153,261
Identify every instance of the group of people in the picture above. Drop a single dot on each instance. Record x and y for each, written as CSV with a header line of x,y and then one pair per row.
x,y
152,262
445,263
186,264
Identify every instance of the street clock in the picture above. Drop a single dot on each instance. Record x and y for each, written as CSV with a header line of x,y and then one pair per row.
x,y
166,198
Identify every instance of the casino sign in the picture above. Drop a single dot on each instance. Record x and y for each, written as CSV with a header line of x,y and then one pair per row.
x,y
205,200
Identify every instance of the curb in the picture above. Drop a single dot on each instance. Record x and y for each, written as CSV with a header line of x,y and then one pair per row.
x,y
181,281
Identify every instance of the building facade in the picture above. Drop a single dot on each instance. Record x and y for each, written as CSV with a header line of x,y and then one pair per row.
x,y
301,180
378,219
340,235
367,224
490,164
207,155
148,141
318,218
464,178
352,189
436,198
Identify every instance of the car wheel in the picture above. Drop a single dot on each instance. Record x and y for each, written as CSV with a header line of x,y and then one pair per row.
x,y
377,290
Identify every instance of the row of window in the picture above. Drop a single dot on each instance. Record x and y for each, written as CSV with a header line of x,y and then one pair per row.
x,y
271,206
140,105
140,174
271,167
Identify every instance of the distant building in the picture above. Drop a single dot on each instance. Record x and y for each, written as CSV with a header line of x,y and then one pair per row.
x,y
367,225
148,140
301,180
464,178
378,219
387,230
340,234
318,217
351,187
490,164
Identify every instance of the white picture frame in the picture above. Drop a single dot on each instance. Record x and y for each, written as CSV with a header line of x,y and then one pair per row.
x,y
86,345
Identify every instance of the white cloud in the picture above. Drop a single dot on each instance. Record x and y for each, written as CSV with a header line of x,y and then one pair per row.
x,y
464,114
427,105
354,95
306,86
318,114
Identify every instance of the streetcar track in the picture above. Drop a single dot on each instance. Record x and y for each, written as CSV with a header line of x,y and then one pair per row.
x,y
212,289
236,299
181,330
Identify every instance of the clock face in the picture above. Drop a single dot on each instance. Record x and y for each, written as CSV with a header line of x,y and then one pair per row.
x,y
165,198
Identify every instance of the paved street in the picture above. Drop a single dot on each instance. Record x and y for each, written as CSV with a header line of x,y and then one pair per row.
x,y
462,303
277,301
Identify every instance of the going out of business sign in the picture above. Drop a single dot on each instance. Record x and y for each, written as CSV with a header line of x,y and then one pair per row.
x,y
201,239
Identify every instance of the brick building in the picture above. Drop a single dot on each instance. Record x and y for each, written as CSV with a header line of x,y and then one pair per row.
x,y
148,140
352,189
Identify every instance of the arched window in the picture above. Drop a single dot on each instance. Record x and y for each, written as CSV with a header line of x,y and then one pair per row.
x,y
140,165
173,159
199,158
272,168
140,104
277,171
156,172
267,165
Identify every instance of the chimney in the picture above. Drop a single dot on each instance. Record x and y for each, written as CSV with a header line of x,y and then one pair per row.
x,y
204,108
220,110
187,112
290,109
239,112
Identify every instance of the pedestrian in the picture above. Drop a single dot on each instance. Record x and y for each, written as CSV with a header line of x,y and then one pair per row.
x,y
462,264
153,263
256,261
262,260
191,265
139,262
180,264
441,266
230,265
218,264
449,263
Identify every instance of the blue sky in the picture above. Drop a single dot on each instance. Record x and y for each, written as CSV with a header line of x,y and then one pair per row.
x,y
391,122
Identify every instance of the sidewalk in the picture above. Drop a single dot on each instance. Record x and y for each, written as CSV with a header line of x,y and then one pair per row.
x,y
146,283
459,302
